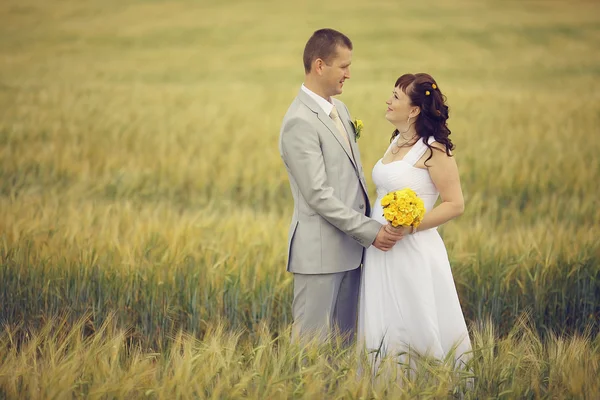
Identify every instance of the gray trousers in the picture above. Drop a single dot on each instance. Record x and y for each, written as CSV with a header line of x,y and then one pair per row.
x,y
324,303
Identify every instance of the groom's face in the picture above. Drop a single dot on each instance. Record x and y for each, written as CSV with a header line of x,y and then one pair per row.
x,y
337,71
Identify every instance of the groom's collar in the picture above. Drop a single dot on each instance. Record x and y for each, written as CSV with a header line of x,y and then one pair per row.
x,y
325,105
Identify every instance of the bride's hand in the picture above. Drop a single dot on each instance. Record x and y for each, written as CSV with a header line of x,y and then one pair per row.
x,y
400,230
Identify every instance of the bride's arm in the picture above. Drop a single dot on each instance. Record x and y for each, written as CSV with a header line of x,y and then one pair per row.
x,y
444,174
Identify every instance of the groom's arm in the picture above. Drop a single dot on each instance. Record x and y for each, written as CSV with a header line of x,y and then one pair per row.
x,y
301,151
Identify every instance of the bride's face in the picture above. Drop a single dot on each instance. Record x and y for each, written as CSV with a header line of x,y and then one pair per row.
x,y
399,107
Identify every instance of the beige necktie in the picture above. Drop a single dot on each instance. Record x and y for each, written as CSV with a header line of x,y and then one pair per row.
x,y
335,116
338,123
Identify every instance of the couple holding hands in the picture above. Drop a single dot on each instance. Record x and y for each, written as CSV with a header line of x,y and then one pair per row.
x,y
353,271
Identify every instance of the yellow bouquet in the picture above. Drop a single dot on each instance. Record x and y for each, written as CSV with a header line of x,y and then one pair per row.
x,y
403,207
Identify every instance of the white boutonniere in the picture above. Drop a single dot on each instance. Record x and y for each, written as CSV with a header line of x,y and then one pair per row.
x,y
358,127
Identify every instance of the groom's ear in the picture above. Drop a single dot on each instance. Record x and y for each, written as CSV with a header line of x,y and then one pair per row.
x,y
318,65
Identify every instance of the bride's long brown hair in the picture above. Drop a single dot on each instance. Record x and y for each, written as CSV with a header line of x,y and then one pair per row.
x,y
424,93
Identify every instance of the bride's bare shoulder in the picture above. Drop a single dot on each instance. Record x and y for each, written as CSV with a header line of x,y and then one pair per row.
x,y
441,149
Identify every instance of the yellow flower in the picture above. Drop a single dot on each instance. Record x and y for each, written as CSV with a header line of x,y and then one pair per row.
x,y
387,199
433,86
403,207
427,93
389,214
358,127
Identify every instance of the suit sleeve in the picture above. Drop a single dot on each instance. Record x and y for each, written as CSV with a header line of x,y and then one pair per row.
x,y
301,151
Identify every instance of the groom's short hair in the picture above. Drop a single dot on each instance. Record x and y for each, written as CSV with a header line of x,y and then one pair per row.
x,y
323,44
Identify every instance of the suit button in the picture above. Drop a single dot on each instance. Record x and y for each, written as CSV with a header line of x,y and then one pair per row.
x,y
361,206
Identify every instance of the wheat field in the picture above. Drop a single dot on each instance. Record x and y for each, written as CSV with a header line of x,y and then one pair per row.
x,y
144,207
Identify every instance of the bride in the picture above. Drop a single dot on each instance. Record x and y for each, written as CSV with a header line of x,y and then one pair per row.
x,y
408,298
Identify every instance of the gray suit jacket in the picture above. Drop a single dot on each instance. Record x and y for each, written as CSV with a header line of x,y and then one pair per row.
x,y
329,228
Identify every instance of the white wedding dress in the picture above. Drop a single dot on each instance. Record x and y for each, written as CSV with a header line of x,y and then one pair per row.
x,y
408,299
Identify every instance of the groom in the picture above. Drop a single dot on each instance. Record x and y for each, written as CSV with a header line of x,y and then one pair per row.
x,y
330,226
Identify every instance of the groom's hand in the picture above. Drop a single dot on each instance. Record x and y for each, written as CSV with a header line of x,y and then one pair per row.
x,y
387,238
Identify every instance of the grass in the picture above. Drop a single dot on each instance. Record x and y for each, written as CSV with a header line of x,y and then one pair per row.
x,y
61,360
144,206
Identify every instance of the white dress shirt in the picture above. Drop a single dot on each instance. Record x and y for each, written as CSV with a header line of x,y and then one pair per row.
x,y
324,104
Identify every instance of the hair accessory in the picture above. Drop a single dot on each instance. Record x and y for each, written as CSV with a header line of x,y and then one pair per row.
x,y
427,93
433,86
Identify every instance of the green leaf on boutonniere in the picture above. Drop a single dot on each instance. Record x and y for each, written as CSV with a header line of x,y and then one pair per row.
x,y
358,127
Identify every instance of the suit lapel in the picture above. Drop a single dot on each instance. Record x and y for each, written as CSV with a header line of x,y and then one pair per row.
x,y
349,127
352,136
328,122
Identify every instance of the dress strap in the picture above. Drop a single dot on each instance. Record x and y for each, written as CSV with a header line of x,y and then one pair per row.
x,y
417,151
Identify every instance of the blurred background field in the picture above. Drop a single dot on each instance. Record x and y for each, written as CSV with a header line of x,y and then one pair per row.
x,y
141,190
